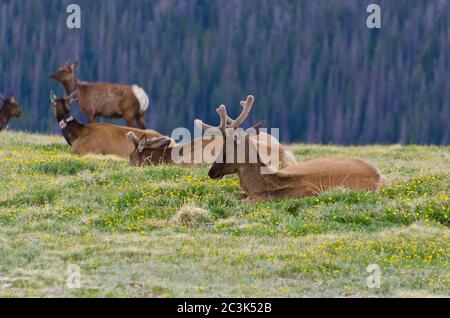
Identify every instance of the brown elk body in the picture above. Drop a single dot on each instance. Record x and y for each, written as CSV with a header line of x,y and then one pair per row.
x,y
105,99
9,109
97,139
296,181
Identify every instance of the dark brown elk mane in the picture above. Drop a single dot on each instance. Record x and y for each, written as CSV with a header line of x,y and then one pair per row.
x,y
105,99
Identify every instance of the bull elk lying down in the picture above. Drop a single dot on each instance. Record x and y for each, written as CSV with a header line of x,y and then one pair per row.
x,y
105,99
9,109
97,139
296,181
161,150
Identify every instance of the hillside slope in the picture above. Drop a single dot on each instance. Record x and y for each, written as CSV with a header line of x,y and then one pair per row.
x,y
117,224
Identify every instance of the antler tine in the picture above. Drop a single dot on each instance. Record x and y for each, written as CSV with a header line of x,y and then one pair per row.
x,y
131,135
223,120
200,124
247,106
222,110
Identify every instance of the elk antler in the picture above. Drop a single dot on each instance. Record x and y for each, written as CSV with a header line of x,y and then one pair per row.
x,y
247,106
223,120
133,138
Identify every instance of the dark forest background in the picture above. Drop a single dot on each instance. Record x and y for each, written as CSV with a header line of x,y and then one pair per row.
x,y
316,70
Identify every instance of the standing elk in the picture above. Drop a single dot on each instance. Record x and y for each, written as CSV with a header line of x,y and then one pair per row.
x,y
151,151
105,99
297,181
9,109
100,139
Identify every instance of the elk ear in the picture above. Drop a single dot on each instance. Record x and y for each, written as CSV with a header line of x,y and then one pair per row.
x,y
161,142
259,126
2,98
74,66
133,138
142,143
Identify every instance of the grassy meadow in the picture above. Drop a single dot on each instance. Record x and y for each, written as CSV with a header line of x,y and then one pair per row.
x,y
172,232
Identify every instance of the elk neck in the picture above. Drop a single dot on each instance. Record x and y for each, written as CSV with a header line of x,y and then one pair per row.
x,y
5,112
5,116
159,156
71,129
166,155
70,85
253,181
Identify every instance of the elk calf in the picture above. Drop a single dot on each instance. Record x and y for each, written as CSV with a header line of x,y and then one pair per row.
x,y
296,181
101,139
105,99
9,109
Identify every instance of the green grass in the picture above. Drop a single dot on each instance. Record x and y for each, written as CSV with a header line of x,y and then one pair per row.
x,y
114,222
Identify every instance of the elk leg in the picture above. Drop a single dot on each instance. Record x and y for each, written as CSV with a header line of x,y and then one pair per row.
x,y
129,122
140,119
91,118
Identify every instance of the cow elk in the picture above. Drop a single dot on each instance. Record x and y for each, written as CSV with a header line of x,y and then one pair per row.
x,y
105,99
203,150
297,181
9,109
99,139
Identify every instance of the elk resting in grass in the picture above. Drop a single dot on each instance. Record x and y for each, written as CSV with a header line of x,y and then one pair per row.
x,y
10,108
100,139
151,151
296,181
105,99
155,151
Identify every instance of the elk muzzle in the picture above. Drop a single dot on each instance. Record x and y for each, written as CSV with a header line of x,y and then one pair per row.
x,y
215,172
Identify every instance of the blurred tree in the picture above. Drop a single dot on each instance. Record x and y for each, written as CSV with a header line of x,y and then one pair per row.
x,y
316,70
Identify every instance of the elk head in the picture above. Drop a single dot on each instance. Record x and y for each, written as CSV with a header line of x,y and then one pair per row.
x,y
234,141
148,150
61,106
65,72
10,104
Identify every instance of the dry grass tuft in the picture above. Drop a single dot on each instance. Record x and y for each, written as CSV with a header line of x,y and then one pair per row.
x,y
191,216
